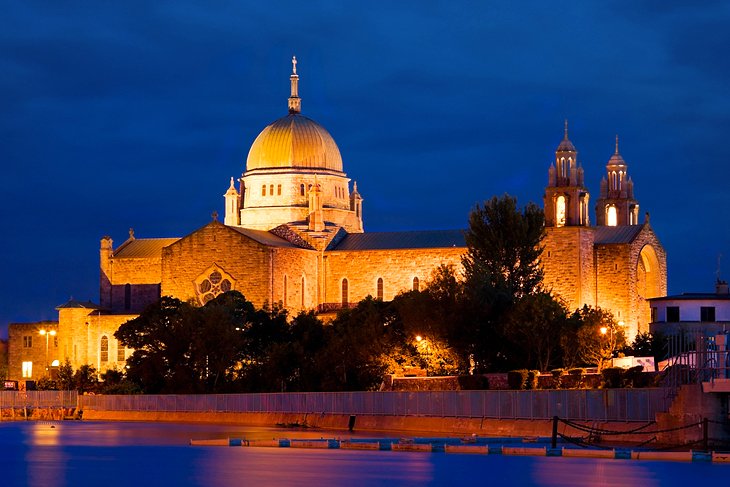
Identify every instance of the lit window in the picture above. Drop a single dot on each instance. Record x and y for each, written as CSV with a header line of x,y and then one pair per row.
x,y
380,288
416,284
611,216
271,189
104,349
263,190
27,341
121,356
345,293
278,190
27,369
560,211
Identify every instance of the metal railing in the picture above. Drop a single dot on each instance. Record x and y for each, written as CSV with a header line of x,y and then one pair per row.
x,y
38,399
581,405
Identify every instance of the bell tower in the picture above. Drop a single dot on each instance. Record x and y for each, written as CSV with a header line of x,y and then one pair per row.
x,y
617,206
566,197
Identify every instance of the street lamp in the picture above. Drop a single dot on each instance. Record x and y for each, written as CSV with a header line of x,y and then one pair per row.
x,y
47,333
604,331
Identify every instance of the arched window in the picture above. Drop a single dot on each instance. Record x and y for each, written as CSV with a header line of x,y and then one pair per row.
x,y
127,296
416,284
560,211
263,190
301,190
104,349
278,190
121,357
611,216
271,189
380,288
345,292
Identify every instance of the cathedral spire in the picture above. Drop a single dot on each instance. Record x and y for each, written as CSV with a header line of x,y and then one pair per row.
x,y
295,103
616,145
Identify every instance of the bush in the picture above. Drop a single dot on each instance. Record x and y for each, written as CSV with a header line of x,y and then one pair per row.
x,y
557,377
576,377
613,377
635,377
517,379
533,377
473,382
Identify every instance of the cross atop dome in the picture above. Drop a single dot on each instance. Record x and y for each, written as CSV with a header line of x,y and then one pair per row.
x,y
295,103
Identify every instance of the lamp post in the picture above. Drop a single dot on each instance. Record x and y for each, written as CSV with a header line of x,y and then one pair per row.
x,y
604,331
47,333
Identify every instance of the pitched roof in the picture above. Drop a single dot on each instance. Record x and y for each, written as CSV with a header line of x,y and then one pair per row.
x,y
140,248
617,235
264,237
426,239
72,303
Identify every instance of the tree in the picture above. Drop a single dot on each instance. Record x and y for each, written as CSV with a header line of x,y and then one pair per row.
x,y
535,324
85,379
592,337
503,248
65,380
161,337
500,267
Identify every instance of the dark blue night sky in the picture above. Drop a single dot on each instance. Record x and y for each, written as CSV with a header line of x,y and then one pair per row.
x,y
137,115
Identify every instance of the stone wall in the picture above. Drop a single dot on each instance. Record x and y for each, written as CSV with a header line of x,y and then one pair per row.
x,y
245,260
26,344
568,266
397,268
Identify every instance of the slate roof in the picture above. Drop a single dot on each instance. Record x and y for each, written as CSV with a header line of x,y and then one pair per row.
x,y
140,248
617,235
264,237
426,239
72,303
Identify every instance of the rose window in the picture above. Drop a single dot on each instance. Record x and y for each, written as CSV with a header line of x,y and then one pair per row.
x,y
211,283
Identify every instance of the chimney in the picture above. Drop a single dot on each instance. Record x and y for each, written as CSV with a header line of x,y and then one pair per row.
x,y
721,287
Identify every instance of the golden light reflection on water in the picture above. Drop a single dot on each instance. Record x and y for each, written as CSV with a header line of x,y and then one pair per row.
x,y
42,463
288,466
599,472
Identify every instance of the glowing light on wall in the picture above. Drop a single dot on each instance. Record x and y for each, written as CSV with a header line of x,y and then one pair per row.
x,y
611,216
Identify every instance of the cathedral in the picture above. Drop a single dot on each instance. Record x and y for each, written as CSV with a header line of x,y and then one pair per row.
x,y
293,235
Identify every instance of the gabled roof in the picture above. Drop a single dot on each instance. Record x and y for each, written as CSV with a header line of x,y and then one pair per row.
x,y
426,239
264,237
72,303
140,248
617,235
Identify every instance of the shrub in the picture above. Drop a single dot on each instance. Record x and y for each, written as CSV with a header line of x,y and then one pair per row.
x,y
557,377
517,379
613,377
635,377
473,382
576,377
533,377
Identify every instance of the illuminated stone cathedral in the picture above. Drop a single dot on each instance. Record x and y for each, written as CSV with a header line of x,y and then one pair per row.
x,y
293,235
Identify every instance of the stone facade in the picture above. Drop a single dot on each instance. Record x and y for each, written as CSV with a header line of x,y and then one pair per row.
x,y
293,236
28,357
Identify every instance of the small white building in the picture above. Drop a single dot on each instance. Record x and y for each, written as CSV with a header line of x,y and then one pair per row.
x,y
705,313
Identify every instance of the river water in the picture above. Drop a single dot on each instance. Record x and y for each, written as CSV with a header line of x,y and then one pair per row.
x,y
74,453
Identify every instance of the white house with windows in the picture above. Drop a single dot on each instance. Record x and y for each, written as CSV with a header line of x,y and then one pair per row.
x,y
706,313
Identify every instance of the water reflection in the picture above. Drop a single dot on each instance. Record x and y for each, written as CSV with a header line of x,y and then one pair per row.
x,y
109,454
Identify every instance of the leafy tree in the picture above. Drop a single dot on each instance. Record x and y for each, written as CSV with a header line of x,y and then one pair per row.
x,y
161,338
503,248
535,324
65,380
85,379
585,343
500,267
